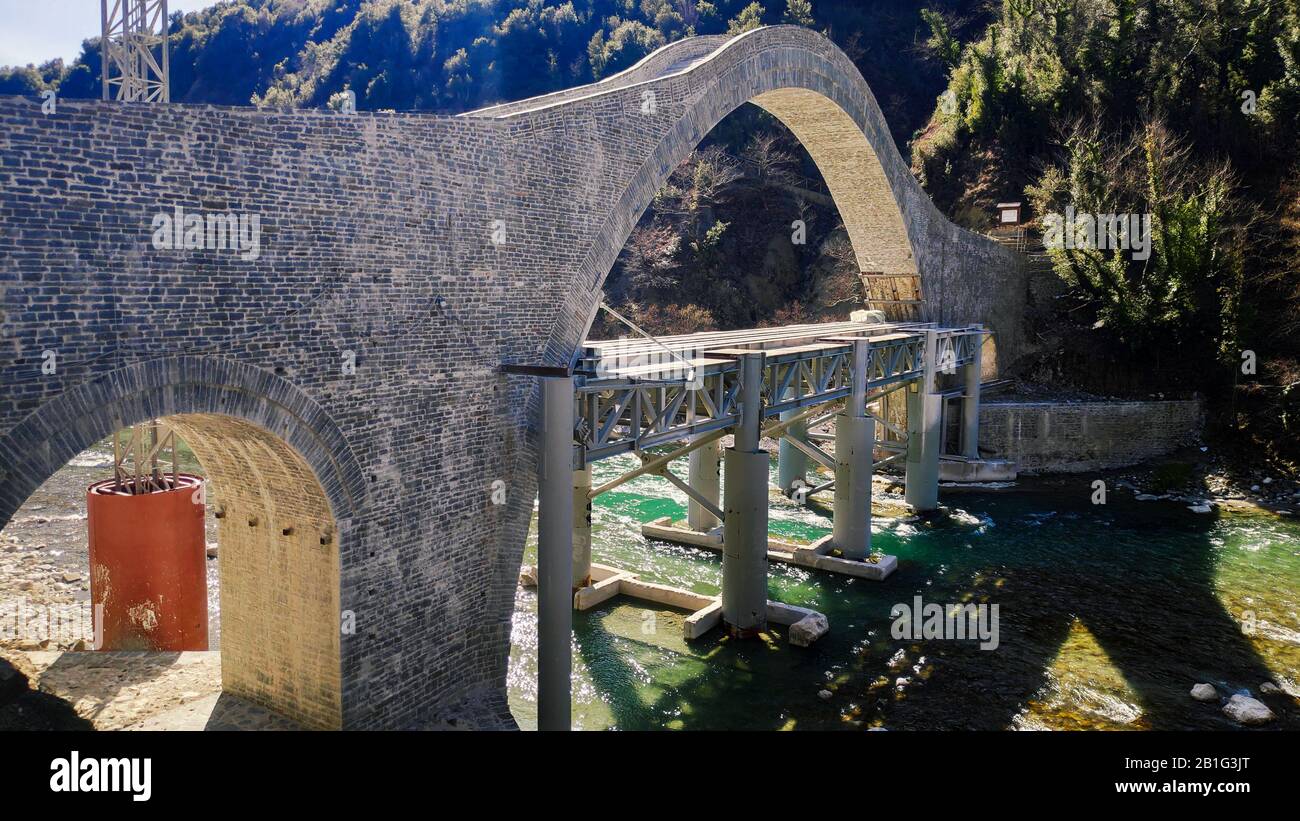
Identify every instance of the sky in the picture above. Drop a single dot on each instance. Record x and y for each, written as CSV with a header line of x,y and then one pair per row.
x,y
33,31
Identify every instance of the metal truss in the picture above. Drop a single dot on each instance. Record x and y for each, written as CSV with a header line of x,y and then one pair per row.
x,y
134,45
629,413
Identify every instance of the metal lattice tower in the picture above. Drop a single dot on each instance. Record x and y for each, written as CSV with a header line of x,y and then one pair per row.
x,y
134,44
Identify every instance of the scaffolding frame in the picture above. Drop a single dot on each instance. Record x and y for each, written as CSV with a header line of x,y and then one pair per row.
x,y
133,43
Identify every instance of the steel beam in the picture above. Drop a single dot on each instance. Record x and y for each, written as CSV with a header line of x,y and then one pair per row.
x,y
655,464
815,453
555,555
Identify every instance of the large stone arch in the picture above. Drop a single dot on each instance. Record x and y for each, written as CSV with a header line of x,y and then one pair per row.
x,y
805,81
285,488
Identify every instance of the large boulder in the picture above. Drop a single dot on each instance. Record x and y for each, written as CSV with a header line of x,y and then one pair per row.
x,y
808,629
1205,692
1247,710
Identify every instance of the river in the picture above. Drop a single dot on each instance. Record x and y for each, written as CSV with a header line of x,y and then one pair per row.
x,y
1108,614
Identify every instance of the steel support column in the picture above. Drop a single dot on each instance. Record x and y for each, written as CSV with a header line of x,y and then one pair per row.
x,y
924,412
555,554
744,541
704,476
970,403
855,440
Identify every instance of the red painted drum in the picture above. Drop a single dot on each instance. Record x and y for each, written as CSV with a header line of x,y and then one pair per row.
x,y
148,567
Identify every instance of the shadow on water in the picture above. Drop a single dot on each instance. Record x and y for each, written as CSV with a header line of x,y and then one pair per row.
x,y
1142,584
1138,579
715,687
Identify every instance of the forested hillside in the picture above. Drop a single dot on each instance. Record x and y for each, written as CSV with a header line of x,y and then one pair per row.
x,y
1184,110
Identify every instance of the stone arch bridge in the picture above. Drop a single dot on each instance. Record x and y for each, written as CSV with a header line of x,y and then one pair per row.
x,y
339,377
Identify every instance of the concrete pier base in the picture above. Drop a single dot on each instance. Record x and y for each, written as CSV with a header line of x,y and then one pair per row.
x,y
806,626
816,556
976,470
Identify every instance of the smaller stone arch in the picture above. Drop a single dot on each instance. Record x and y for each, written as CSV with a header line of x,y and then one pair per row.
x,y
284,486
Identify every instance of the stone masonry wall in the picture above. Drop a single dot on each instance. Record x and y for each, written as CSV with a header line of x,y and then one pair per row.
x,y
1059,437
403,258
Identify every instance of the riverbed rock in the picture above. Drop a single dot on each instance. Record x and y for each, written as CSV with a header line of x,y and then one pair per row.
x,y
1269,688
824,695
1247,710
1202,508
1205,692
808,629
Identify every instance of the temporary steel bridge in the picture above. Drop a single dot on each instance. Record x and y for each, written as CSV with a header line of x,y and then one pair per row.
x,y
633,394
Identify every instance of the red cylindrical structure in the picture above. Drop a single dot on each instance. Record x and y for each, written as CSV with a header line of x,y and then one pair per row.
x,y
148,567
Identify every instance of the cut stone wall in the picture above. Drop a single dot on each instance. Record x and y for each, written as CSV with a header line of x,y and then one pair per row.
x,y
403,258
1061,437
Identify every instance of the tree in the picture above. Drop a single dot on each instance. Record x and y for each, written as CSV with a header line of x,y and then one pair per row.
x,y
750,18
798,13
1184,282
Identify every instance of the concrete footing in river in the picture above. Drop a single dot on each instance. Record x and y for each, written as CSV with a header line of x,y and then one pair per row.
x,y
817,555
806,626
976,470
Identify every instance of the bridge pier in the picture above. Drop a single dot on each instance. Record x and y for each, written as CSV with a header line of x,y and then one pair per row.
x,y
855,442
555,555
924,415
704,475
792,463
744,542
581,527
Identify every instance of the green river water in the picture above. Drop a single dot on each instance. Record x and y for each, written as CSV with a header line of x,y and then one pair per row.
x,y
1108,614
